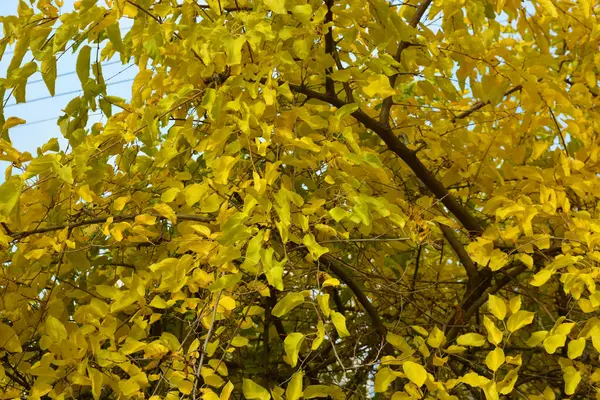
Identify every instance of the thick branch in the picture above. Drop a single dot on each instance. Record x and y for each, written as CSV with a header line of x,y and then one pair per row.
x,y
477,302
395,145
332,264
460,251
384,116
329,47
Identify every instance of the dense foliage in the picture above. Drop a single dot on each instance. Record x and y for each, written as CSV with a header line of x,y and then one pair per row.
x,y
306,198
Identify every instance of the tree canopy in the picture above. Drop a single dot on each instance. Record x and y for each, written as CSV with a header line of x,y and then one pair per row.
x,y
305,198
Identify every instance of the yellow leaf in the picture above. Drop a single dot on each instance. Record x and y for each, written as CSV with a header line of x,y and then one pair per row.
x,y
514,304
553,342
253,390
166,211
96,378
119,203
508,383
292,344
575,348
420,330
323,300
294,388
541,277
227,302
277,6
383,378
331,282
549,7
339,321
55,329
415,373
129,10
497,307
315,249
11,122
495,359
193,193
233,49
494,334
471,339
490,391
398,342
9,339
572,378
472,379
287,304
222,168
239,341
226,392
10,191
525,259
320,336
145,219
169,195
86,194
436,338
378,85
519,319
536,338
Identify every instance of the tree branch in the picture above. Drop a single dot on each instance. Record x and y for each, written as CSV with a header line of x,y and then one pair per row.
x,y
100,220
459,250
395,145
384,115
329,48
480,104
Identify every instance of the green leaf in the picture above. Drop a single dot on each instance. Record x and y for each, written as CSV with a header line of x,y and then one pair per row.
x,y
253,390
225,282
292,344
83,64
339,321
287,304
10,192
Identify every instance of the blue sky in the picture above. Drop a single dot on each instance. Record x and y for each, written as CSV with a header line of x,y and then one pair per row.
x,y
41,111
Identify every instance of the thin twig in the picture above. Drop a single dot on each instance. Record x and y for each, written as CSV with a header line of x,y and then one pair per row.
x,y
206,340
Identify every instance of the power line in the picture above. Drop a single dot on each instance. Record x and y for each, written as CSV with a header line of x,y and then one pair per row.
x,y
71,72
63,94
47,120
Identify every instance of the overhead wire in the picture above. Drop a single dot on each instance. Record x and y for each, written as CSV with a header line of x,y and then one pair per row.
x,y
72,92
62,94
